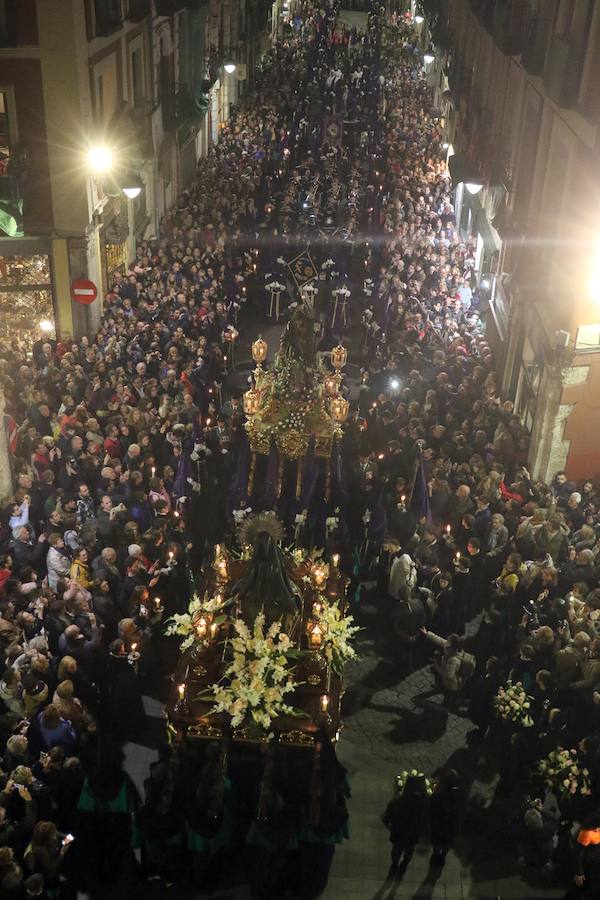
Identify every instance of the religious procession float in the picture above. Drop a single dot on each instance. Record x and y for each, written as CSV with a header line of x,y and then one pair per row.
x,y
267,633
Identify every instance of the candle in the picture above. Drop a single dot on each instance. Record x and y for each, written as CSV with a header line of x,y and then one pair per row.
x,y
381,456
170,556
448,529
403,498
153,471
317,608
181,691
324,703
202,627
335,559
457,555
319,575
316,636
214,630
157,602
133,648
208,421
176,514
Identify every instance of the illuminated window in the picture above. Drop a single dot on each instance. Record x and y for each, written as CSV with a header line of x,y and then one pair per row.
x,y
588,337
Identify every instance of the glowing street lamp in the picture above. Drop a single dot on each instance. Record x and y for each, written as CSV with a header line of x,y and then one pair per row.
x,y
131,185
100,158
230,67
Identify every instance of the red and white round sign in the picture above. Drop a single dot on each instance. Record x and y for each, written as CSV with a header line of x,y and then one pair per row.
x,y
83,291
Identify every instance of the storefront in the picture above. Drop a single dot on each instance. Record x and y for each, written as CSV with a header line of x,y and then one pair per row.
x,y
113,244
26,294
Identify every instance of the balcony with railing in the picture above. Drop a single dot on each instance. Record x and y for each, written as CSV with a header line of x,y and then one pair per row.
x,y
509,22
562,72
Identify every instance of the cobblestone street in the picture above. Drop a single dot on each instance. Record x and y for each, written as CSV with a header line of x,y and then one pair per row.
x,y
389,726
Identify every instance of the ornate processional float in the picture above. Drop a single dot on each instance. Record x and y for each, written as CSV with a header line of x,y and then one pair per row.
x,y
264,643
295,410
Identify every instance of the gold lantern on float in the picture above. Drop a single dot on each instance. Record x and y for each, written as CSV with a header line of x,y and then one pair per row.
x,y
330,385
251,401
339,356
259,351
339,409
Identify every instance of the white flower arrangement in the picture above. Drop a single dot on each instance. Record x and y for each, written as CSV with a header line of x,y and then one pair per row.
x,y
338,633
562,774
298,555
185,625
513,704
403,777
256,682
240,514
331,523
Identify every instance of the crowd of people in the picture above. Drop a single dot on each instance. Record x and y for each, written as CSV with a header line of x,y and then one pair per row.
x,y
128,442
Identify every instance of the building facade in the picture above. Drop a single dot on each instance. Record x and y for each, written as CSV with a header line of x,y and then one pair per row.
x,y
517,84
143,78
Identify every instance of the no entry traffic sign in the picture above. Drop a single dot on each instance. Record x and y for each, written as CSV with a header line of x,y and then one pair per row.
x,y
83,291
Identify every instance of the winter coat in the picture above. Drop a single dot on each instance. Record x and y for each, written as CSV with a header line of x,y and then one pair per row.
x,y
58,565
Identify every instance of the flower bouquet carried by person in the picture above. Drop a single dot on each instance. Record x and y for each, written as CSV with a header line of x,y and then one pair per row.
x,y
403,777
513,704
563,774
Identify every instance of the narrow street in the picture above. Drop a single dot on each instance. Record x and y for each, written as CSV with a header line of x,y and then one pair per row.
x,y
391,722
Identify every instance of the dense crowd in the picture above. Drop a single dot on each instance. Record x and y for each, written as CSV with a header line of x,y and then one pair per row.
x,y
128,443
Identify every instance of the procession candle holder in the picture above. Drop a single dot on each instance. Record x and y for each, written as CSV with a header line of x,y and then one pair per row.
x,y
251,402
202,626
339,409
319,575
259,352
133,654
330,385
339,357
324,708
158,607
182,705
315,638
